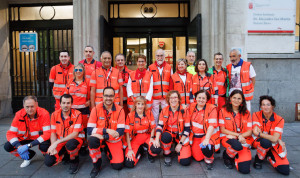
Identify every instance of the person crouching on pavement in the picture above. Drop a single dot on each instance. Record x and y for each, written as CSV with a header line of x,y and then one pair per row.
x,y
267,130
66,135
173,127
30,127
139,131
204,128
236,129
106,127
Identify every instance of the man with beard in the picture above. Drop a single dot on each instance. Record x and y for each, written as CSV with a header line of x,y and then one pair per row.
x,y
161,72
60,75
66,135
241,76
106,127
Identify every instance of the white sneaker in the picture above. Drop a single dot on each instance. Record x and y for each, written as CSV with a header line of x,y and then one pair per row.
x,y
25,163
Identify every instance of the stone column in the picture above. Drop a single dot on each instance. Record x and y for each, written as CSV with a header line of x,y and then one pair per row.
x,y
5,87
86,23
223,26
236,26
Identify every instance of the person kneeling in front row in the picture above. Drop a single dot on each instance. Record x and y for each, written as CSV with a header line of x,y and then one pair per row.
x,y
140,130
66,135
267,130
173,127
106,127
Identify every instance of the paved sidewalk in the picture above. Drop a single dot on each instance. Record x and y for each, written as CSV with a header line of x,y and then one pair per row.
x,y
9,165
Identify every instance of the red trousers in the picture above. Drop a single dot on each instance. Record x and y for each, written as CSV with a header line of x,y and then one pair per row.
x,y
114,151
274,153
137,142
167,139
240,153
200,154
72,147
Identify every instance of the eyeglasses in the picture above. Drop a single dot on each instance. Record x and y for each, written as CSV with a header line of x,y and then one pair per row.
x,y
78,70
108,96
159,55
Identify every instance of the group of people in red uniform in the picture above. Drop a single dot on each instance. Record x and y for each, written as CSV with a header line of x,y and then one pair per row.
x,y
122,112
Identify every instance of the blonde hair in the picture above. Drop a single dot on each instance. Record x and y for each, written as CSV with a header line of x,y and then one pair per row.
x,y
169,95
139,99
83,70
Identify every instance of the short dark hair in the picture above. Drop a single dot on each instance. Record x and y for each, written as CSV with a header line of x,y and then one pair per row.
x,y
202,91
197,63
30,97
107,88
242,107
267,97
217,54
64,51
66,96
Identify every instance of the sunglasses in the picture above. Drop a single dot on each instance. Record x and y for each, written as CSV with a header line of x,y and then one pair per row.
x,y
78,70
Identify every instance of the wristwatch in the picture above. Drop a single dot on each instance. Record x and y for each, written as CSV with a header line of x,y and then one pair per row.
x,y
180,143
29,145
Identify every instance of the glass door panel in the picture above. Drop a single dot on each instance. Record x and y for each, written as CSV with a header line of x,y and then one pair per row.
x,y
180,47
134,48
117,46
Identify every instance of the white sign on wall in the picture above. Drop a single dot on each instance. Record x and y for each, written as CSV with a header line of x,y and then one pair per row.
x,y
271,16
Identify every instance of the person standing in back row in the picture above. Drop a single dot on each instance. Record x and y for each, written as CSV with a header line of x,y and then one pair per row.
x,y
241,76
106,76
220,75
60,75
90,64
161,72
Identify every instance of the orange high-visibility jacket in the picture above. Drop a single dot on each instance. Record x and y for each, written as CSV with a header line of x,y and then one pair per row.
x,y
22,128
199,127
221,80
226,119
161,83
185,89
100,120
247,85
182,125
139,89
135,125
60,76
274,125
125,76
102,78
206,83
63,128
80,93
90,68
